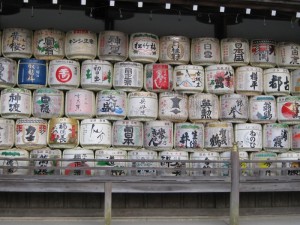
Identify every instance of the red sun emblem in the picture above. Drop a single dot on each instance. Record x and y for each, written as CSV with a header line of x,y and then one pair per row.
x,y
63,74
289,110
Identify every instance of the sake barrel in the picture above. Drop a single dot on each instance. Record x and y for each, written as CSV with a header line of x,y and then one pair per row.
x,y
188,136
14,162
111,104
80,104
103,159
158,135
127,134
173,106
263,166
128,76
175,167
32,73
113,46
140,162
46,161
15,103
8,72
292,165
219,79
205,51
288,109
81,44
248,137
263,53
64,74
235,51
225,167
207,167
295,139
142,106
63,133
95,133
158,77
143,47
188,79
262,109
48,44
31,133
96,75
276,137
47,103
77,162
7,137
234,108
203,107
276,81
17,42
218,136
295,82
288,55
174,50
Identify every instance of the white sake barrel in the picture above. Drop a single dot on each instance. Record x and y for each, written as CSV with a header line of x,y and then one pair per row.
x,y
15,103
128,76
295,82
17,43
249,80
158,77
203,107
64,74
143,155
173,106
8,72
295,138
205,51
262,109
262,167
96,75
7,130
288,55
206,168
95,133
188,79
226,156
292,165
48,44
219,79
263,53
81,44
276,81
31,133
13,160
113,46
63,133
218,136
276,137
288,109
80,104
78,161
158,135
47,103
127,134
142,106
111,104
143,47
46,158
235,51
188,136
174,168
248,137
174,50
115,168
234,108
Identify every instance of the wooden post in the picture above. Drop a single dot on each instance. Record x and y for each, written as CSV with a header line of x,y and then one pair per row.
x,y
107,202
235,190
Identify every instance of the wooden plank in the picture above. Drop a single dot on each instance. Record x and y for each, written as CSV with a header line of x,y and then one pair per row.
x,y
154,200
171,200
190,200
135,200
55,200
107,202
280,199
235,187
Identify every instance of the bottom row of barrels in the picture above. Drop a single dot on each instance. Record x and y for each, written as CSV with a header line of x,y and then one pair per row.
x,y
81,161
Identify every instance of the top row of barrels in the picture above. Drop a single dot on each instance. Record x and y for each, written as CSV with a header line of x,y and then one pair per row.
x,y
116,46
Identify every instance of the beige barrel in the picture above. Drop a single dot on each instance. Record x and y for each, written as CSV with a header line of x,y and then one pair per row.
x,y
295,138
288,109
174,167
248,137
235,51
294,166
226,156
276,137
205,168
8,72
295,82
263,53
288,55
7,131
261,168
276,81
262,109
15,162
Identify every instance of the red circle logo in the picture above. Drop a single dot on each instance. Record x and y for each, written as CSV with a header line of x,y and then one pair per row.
x,y
289,110
63,74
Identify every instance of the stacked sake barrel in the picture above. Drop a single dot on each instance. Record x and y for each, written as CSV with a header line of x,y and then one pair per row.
x,y
117,96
